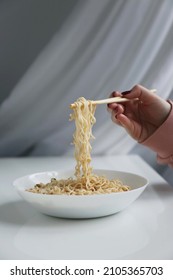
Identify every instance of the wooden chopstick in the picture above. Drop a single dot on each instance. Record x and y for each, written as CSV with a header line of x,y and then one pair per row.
x,y
112,100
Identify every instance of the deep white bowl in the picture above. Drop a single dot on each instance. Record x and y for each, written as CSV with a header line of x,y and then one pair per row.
x,y
80,206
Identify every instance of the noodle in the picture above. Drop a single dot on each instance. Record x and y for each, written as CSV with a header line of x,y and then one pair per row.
x,y
84,120
85,182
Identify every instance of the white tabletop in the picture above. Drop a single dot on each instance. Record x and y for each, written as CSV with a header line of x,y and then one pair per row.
x,y
143,231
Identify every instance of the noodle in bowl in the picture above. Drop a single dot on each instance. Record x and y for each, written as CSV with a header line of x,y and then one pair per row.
x,y
80,206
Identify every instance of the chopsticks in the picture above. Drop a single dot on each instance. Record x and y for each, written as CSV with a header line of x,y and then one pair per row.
x,y
111,100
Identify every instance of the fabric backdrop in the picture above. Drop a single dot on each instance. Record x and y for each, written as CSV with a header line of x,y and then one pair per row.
x,y
100,46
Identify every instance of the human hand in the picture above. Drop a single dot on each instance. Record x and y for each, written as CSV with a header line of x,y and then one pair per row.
x,y
140,117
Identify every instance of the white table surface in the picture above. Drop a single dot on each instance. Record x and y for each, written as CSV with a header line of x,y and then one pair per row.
x,y
143,231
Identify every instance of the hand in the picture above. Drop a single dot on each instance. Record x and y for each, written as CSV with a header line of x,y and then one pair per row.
x,y
140,117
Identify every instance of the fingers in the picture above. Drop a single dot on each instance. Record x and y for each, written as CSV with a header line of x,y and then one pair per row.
x,y
125,122
115,109
129,114
114,106
145,95
132,127
115,112
122,120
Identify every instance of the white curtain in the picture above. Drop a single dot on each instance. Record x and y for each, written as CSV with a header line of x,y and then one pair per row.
x,y
103,45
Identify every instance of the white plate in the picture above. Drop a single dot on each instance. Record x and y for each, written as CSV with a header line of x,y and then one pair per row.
x,y
81,206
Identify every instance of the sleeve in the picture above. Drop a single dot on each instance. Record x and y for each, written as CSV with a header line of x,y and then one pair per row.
x,y
161,141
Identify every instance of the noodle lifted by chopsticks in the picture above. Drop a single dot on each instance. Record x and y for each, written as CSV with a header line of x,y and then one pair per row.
x,y
85,182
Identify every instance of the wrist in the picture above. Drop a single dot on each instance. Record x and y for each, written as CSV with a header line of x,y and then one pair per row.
x,y
161,140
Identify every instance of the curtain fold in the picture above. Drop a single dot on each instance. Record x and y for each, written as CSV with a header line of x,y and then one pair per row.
x,y
103,45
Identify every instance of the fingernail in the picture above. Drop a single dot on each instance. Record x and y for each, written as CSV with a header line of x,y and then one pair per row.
x,y
114,93
125,92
